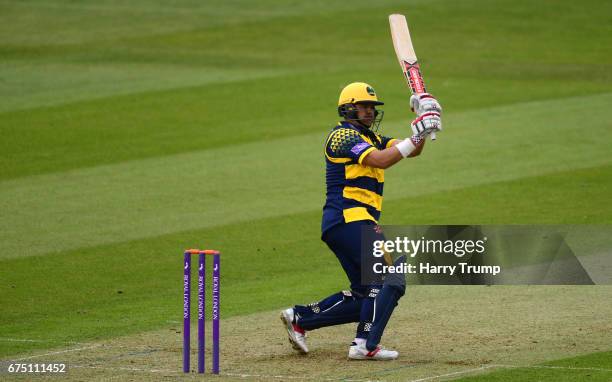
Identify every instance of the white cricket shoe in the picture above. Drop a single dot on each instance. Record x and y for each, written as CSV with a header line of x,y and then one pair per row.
x,y
378,354
297,335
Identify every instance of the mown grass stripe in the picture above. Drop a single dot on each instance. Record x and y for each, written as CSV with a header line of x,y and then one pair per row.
x,y
156,196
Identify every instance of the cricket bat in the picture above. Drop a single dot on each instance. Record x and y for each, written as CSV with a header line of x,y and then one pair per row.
x,y
406,56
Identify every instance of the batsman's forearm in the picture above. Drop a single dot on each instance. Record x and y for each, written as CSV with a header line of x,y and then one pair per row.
x,y
391,155
383,158
416,152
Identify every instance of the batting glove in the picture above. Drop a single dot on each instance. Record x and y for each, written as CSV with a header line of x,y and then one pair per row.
x,y
426,124
424,103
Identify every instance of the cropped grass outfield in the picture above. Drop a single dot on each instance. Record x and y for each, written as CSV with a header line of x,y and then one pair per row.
x,y
133,130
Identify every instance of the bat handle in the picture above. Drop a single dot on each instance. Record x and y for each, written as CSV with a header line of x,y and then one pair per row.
x,y
433,136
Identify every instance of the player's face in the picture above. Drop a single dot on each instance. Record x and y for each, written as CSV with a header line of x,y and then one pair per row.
x,y
366,113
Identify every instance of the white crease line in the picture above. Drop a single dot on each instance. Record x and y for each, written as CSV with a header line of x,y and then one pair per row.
x,y
125,369
263,376
554,367
294,377
20,340
455,373
283,377
106,345
56,352
41,341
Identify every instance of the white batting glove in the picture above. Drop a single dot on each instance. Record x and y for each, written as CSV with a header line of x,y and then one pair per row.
x,y
424,103
426,124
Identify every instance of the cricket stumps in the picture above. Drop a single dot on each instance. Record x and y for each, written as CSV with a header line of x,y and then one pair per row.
x,y
216,283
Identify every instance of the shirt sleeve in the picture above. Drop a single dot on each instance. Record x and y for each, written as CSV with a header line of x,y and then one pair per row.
x,y
387,141
345,145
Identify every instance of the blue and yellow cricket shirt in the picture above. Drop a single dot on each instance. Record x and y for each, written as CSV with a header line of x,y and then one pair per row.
x,y
354,191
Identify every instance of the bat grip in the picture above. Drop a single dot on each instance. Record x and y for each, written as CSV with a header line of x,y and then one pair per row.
x,y
432,136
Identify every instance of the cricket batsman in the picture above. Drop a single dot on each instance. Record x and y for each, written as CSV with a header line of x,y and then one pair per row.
x,y
356,157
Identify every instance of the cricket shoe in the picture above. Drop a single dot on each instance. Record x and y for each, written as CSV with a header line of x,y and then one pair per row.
x,y
378,354
297,335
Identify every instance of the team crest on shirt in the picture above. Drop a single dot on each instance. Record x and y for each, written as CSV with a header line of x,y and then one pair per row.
x,y
359,147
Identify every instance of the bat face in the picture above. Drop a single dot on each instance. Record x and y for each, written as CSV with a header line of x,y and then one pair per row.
x,y
401,38
405,53
406,56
